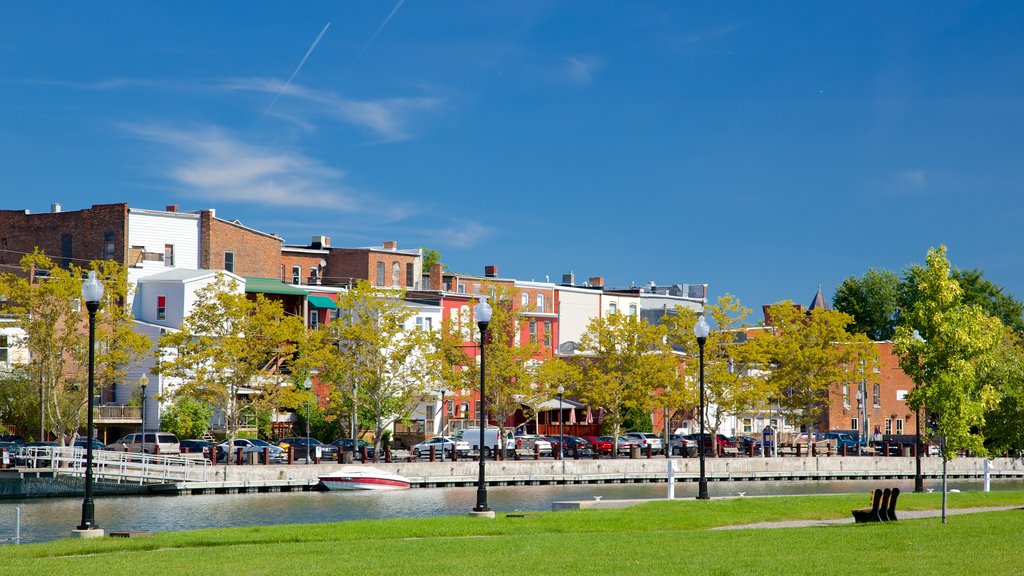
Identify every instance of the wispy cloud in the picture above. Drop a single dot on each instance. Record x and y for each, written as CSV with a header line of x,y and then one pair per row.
x,y
388,118
462,234
907,181
581,70
710,34
208,163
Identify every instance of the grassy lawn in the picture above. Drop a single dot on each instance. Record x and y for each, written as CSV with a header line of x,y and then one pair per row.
x,y
656,538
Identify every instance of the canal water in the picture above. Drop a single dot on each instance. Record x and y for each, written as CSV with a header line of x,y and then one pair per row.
x,y
54,518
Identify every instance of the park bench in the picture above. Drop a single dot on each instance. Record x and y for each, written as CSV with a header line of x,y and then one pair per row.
x,y
883,507
730,451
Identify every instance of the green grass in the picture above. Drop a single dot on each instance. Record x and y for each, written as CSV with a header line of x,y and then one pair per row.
x,y
656,538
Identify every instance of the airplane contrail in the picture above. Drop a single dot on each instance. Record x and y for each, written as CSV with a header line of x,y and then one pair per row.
x,y
299,67
378,31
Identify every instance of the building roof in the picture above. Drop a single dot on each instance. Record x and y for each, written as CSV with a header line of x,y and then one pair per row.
x,y
271,286
184,275
819,302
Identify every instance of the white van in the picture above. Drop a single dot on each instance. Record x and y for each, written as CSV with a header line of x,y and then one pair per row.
x,y
154,443
491,437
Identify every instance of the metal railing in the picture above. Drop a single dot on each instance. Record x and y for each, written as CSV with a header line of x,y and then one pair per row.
x,y
120,467
129,413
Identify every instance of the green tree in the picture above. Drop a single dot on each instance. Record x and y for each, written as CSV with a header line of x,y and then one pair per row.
x,y
958,344
187,418
368,356
872,301
229,344
807,354
624,361
1003,430
430,257
548,376
732,385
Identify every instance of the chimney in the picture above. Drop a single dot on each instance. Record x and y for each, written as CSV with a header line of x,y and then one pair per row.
x,y
321,242
437,277
172,208
391,245
568,279
491,271
596,281
55,207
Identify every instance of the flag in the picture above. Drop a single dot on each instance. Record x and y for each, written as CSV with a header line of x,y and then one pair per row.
x,y
572,415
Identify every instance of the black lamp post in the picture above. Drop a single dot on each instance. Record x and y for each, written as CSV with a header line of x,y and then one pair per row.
x,y
482,311
92,293
701,331
444,442
143,382
918,479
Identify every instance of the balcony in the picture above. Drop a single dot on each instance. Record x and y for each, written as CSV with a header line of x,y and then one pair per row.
x,y
113,415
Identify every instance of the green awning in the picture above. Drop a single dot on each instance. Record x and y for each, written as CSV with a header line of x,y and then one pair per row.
x,y
322,302
271,286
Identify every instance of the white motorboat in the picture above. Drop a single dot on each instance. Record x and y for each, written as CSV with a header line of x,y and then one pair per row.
x,y
364,478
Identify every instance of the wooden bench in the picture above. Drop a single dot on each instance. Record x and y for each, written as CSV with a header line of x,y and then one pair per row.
x,y
730,451
883,507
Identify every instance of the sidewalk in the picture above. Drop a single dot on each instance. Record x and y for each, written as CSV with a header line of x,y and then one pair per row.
x,y
903,515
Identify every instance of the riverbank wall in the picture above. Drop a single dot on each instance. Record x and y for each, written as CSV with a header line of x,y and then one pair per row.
x,y
225,479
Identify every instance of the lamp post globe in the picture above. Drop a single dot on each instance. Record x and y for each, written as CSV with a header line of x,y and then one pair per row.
x,y
92,293
482,313
701,331
143,382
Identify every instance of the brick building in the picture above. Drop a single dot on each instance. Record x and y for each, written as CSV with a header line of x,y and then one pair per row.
x,y
96,233
383,267
228,245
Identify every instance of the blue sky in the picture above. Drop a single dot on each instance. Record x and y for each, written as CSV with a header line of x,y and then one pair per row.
x,y
763,147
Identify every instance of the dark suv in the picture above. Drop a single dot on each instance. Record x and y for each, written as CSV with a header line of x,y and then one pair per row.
x,y
570,444
311,446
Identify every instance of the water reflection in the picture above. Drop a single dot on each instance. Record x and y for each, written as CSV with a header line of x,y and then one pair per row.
x,y
51,519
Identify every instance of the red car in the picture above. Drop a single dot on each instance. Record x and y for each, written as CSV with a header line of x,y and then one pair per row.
x,y
602,444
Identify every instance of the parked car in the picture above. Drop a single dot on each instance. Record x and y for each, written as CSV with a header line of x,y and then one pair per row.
x,y
154,442
96,444
14,438
745,442
346,444
842,439
311,446
196,446
721,441
531,440
441,445
645,439
277,454
601,444
570,445
680,445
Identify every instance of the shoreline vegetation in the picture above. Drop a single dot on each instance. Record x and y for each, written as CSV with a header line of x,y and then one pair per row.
x,y
656,537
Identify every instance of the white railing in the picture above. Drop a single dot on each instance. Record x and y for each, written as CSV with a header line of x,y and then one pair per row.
x,y
121,467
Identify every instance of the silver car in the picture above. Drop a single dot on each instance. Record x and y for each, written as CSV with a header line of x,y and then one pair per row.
x,y
645,439
441,445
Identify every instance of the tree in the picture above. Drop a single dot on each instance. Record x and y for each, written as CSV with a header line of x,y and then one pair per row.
x,y
871,301
548,376
624,361
1003,430
510,368
367,351
118,344
807,354
187,418
430,257
229,344
731,385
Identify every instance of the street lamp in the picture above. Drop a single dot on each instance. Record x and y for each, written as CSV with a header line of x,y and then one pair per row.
x,y
918,479
143,382
444,438
308,385
482,312
92,293
701,331
667,449
561,437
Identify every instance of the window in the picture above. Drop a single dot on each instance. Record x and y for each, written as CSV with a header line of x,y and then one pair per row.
x,y
876,396
899,425
526,300
428,324
5,349
419,322
846,395
888,426
229,261
633,310
410,272
533,330
314,275
855,424
547,334
612,308
66,252
540,302
161,307
380,274
748,426
314,318
296,274
168,254
108,246
476,288
461,289
396,280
